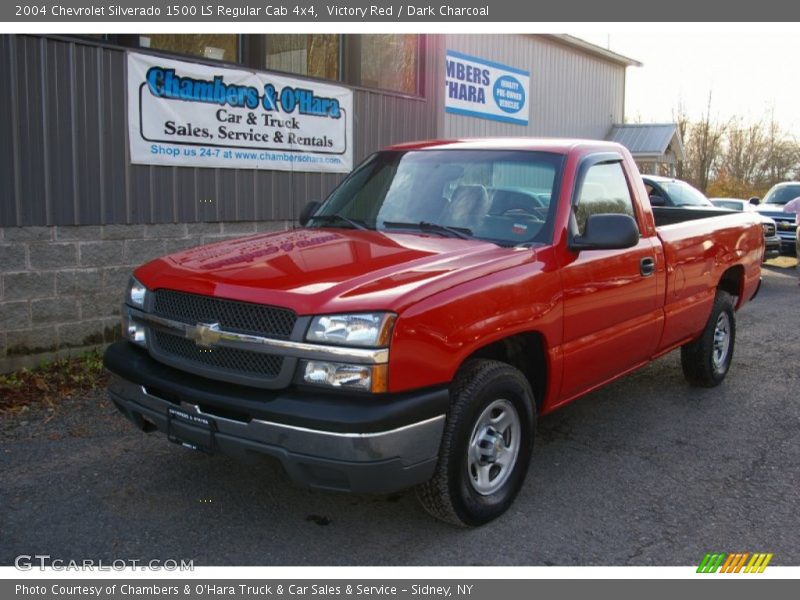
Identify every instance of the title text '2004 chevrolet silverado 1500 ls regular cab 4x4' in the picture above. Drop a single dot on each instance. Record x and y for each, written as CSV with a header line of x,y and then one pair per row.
x,y
444,296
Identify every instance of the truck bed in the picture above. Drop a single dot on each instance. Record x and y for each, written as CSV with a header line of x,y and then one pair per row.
x,y
699,246
665,215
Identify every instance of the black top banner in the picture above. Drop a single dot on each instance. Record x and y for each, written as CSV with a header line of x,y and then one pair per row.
x,y
420,11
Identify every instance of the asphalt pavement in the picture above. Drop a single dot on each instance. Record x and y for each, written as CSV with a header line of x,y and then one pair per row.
x,y
647,471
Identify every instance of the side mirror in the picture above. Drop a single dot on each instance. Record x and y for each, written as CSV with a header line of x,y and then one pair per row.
x,y
607,232
308,212
755,201
657,201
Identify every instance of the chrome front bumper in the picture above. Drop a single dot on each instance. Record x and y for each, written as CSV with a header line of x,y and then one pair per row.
x,y
376,462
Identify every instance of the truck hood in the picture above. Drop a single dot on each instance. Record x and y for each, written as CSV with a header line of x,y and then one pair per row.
x,y
314,271
774,210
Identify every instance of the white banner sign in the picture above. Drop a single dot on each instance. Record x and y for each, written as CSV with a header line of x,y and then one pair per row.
x,y
187,114
476,87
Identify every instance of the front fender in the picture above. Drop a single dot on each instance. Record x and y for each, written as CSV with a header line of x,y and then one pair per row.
x,y
433,338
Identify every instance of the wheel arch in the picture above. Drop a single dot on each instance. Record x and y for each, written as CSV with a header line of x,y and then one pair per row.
x,y
732,282
526,351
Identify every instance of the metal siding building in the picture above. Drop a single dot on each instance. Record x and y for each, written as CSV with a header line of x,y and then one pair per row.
x,y
76,216
66,159
574,93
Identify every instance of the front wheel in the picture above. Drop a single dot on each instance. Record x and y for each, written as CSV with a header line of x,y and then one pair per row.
x,y
707,360
486,445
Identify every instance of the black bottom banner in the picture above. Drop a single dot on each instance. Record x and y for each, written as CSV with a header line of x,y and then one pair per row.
x,y
376,589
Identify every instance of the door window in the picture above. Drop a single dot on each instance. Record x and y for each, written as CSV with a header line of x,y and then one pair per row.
x,y
604,190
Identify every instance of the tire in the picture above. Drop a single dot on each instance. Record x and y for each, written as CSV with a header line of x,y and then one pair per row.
x,y
706,360
481,468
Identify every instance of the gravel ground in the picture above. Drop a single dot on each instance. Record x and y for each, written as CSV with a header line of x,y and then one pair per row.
x,y
647,471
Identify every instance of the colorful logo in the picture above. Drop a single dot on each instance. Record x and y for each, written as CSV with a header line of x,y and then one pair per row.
x,y
734,563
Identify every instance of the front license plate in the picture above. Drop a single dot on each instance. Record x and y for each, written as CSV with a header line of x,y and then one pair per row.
x,y
192,431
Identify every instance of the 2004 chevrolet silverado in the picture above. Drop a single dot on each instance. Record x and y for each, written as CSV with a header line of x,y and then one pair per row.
x,y
443,297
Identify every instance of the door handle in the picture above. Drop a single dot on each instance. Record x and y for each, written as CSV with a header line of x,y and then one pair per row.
x,y
647,266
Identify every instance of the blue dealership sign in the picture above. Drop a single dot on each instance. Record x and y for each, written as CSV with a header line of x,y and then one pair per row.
x,y
476,87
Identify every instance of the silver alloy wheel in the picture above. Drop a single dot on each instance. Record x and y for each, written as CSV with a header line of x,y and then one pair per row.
x,y
493,447
722,341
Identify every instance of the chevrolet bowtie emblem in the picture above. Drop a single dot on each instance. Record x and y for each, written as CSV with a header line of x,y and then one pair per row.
x,y
205,334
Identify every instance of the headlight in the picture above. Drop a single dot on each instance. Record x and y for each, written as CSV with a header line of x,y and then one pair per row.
x,y
367,378
365,329
136,293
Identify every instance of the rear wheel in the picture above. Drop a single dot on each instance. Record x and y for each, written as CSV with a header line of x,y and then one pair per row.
x,y
486,445
706,360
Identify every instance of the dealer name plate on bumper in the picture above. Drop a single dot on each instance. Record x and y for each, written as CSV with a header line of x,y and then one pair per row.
x,y
192,431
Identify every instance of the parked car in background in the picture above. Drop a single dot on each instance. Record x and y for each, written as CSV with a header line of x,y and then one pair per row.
x,y
732,204
772,243
666,191
772,206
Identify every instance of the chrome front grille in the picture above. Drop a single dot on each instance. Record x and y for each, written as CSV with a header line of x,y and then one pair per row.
x,y
232,315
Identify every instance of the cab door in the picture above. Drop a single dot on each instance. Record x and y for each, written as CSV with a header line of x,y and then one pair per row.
x,y
612,309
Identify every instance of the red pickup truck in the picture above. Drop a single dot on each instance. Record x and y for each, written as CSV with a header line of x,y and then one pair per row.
x,y
442,298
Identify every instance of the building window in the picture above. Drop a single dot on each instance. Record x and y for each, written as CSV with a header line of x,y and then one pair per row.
x,y
213,46
313,55
385,61
389,62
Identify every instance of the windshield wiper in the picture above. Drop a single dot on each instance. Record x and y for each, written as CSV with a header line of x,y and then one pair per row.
x,y
337,217
459,232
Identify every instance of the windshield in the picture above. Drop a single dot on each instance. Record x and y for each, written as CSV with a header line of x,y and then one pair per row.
x,y
782,194
495,195
682,194
729,204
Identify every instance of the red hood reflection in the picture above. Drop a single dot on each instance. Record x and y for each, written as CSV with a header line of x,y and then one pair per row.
x,y
329,270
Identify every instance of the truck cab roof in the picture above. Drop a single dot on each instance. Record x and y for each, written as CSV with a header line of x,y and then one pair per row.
x,y
556,145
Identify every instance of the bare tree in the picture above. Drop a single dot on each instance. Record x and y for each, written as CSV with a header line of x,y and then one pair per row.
x,y
782,156
742,160
703,145
681,119
734,158
746,152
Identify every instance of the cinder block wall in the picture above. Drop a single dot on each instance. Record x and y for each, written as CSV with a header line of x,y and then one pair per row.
x,y
61,287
